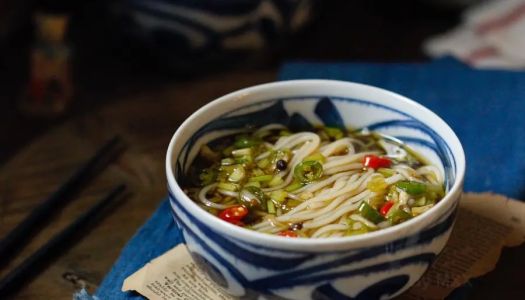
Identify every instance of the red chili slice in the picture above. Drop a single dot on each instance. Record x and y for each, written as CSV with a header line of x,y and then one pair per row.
x,y
376,162
288,233
234,214
386,208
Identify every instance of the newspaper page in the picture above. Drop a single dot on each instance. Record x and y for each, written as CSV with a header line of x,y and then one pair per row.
x,y
485,224
173,275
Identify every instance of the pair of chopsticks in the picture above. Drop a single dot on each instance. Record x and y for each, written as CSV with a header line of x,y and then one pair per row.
x,y
21,234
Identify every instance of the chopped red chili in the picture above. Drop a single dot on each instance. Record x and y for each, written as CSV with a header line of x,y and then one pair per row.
x,y
376,162
288,233
234,214
386,207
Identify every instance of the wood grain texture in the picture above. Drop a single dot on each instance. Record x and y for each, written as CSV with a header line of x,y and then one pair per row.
x,y
146,121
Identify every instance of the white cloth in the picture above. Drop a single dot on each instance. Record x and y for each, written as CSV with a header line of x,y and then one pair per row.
x,y
492,35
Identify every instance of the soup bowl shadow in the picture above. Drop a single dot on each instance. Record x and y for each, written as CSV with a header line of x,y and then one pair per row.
x,y
381,264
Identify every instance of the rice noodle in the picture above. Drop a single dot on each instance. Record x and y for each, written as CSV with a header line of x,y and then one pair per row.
x,y
327,228
269,127
435,177
206,201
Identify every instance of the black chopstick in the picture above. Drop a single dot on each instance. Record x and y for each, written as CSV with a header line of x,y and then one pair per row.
x,y
31,266
21,234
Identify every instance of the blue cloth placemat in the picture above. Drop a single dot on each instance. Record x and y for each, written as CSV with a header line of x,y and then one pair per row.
x,y
486,109
154,238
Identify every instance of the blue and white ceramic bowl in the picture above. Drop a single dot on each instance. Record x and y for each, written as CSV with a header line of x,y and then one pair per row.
x,y
376,265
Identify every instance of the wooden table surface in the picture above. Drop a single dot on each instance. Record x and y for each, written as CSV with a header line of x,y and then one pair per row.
x,y
146,121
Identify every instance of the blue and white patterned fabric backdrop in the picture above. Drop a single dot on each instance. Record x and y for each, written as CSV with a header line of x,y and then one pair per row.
x,y
196,33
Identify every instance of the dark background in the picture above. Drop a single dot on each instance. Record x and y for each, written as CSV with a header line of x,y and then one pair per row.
x,y
105,65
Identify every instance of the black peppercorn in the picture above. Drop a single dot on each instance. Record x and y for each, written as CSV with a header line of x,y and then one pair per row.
x,y
296,226
281,165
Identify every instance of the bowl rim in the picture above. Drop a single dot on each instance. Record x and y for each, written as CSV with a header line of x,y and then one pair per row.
x,y
322,244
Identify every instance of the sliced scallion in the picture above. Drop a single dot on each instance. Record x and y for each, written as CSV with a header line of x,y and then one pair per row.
x,y
369,213
246,142
316,157
308,171
294,186
228,186
387,172
412,187
227,161
334,132
242,152
271,207
238,174
263,163
253,183
279,195
276,180
261,178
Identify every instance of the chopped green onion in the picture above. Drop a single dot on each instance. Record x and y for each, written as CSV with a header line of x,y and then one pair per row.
x,y
393,194
246,142
412,187
416,211
352,230
308,171
369,213
253,183
334,132
245,159
227,161
242,152
362,230
316,157
276,180
258,172
322,134
279,195
376,201
262,134
397,215
226,171
271,207
436,188
377,184
263,163
421,201
261,178
294,186
431,198
293,202
237,174
284,133
228,186
386,172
